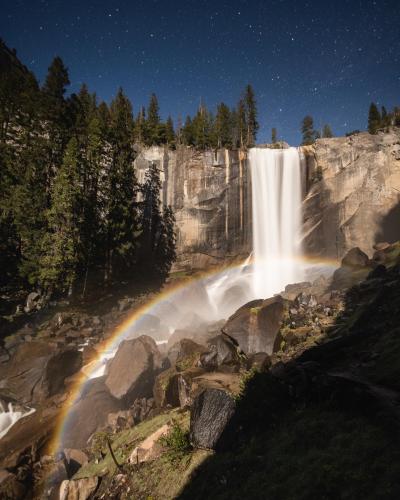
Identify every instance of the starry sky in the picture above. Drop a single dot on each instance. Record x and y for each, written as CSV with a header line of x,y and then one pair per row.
x,y
327,59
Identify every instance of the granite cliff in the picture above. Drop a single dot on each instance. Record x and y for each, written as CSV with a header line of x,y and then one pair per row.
x,y
351,197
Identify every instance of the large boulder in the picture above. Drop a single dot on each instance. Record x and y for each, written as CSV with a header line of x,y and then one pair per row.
x,y
132,371
210,414
37,370
223,354
89,414
256,324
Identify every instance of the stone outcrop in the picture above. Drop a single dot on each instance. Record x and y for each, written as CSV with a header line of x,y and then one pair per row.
x,y
353,198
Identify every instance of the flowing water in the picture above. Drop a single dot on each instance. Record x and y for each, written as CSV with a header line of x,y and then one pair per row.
x,y
276,210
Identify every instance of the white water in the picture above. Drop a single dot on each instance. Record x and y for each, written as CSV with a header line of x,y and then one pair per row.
x,y
276,208
9,416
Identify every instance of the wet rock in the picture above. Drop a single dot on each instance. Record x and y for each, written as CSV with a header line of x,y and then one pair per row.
x,y
210,413
132,371
78,489
256,324
74,459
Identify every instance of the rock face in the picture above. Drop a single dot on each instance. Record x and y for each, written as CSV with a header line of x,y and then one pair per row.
x,y
351,188
210,414
356,201
256,324
132,371
211,197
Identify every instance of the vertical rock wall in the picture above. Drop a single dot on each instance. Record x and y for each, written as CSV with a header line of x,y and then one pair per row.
x,y
353,196
210,194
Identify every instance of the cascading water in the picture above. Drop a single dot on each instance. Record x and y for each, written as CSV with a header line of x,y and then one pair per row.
x,y
276,204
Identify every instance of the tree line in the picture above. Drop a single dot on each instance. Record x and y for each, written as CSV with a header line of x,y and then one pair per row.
x,y
72,213
382,120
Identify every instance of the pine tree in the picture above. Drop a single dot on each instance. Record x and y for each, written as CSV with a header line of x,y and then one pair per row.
x,y
241,123
61,244
274,138
327,132
187,132
251,116
140,130
121,218
223,126
307,129
158,236
153,122
169,132
202,128
54,112
374,119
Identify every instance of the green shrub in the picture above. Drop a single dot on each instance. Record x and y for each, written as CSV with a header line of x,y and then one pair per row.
x,y
176,441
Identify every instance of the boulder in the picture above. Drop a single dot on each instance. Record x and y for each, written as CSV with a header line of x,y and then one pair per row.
x,y
256,324
184,354
210,414
74,459
223,354
78,489
293,290
355,259
90,413
132,371
37,370
150,448
32,302
174,388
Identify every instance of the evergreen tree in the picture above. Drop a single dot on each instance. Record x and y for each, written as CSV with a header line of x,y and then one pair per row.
x,y
187,132
153,122
307,129
158,235
274,138
241,123
251,116
121,218
140,130
223,126
327,132
169,132
374,119
61,244
54,112
202,128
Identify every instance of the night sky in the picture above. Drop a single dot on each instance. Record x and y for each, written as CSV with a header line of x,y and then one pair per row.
x,y
327,59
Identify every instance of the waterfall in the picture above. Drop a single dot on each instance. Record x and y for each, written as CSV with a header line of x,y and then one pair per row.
x,y
276,208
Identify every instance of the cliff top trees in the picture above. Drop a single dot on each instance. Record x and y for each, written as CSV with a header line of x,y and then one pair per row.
x,y
307,129
251,115
274,136
374,119
327,132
